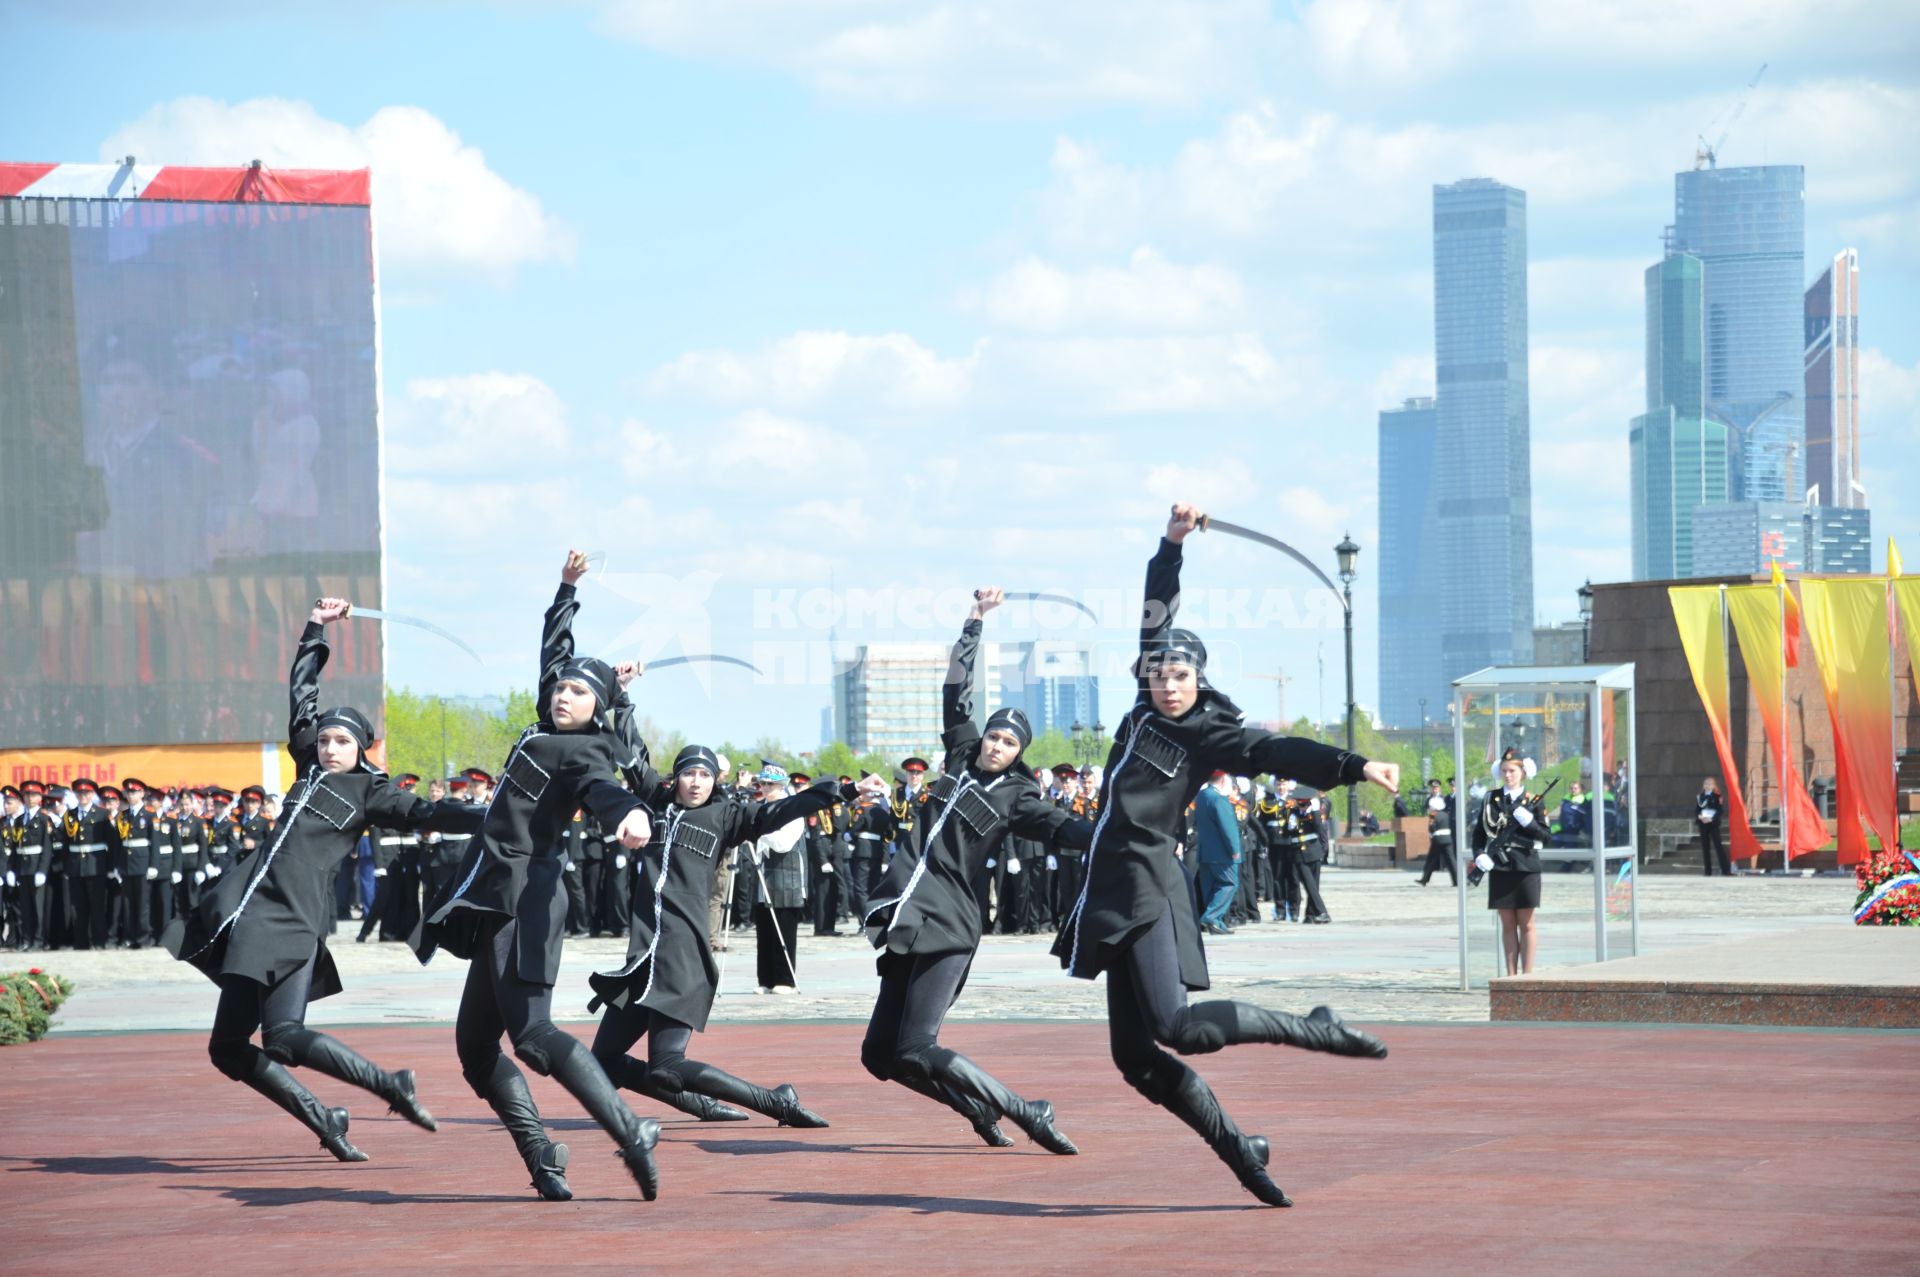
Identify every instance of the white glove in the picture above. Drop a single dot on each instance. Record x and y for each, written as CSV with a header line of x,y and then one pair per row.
x,y
379,873
1436,804
1052,863
39,880
198,877
177,878
11,880
1706,818
992,863
1483,862
152,873
826,866
566,865
213,871
114,874
1523,816
1013,866
619,862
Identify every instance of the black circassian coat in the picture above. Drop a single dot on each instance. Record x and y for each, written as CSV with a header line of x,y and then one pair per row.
x,y
669,966
511,868
265,921
1154,770
925,903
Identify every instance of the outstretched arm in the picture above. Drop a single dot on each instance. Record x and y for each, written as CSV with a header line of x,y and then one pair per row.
x,y
1036,818
761,819
1162,600
556,633
1244,751
631,756
303,680
957,698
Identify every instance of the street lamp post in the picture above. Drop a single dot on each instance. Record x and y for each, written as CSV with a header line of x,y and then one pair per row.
x,y
1423,731
1586,621
1347,552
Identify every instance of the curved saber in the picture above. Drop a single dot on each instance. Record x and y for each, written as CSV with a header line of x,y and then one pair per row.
x,y
1210,524
713,658
375,614
1029,596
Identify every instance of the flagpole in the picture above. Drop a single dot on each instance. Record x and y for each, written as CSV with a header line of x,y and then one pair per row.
x,y
1893,697
1726,698
1786,808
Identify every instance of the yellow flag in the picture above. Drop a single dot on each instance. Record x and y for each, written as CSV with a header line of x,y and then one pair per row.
x,y
1893,558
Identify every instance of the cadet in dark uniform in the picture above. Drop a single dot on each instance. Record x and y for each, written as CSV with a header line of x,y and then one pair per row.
x,y
33,864
13,831
827,858
1508,836
1135,919
260,934
617,873
190,848
1314,843
871,828
223,835
90,846
507,913
164,872
573,844
1440,834
664,992
253,824
133,867
925,919
442,852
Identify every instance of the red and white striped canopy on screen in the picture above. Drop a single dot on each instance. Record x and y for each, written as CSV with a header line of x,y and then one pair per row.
x,y
247,184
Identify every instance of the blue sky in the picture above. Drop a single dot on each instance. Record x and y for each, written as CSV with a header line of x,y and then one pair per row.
x,y
907,296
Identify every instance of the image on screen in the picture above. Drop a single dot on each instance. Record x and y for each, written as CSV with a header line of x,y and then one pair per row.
x,y
189,456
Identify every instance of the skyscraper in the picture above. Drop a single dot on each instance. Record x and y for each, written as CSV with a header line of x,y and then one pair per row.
x,y
1680,459
1832,385
1482,462
887,698
1052,681
1410,665
1748,228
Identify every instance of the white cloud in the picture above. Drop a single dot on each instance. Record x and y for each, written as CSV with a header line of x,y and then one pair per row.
x,y
1149,292
480,424
1223,372
998,55
438,207
890,371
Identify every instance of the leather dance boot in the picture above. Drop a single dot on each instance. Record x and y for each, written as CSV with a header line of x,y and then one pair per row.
x,y
781,1103
588,1083
507,1094
1319,1030
983,1118
329,1055
1035,1117
1193,1102
635,1076
330,1124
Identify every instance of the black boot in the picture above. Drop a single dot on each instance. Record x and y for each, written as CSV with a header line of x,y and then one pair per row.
x,y
1035,1117
326,1054
587,1082
505,1091
1193,1102
781,1104
1320,1030
280,1086
635,1076
983,1119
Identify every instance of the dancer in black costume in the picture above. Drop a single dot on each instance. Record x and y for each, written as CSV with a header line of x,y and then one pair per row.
x,y
925,918
665,990
506,912
1135,919
261,934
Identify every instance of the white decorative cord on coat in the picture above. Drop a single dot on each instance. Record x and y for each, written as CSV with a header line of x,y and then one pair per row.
x,y
1106,810
266,862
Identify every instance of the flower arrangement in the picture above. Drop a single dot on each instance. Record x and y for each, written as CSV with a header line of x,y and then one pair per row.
x,y
28,1000
1889,890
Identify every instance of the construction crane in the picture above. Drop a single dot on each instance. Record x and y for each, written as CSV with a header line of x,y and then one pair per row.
x,y
1707,154
1281,679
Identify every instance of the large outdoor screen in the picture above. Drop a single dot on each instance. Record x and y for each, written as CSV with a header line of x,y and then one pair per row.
x,y
189,456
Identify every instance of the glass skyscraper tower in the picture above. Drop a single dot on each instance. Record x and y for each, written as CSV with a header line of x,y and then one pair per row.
x,y
1681,458
1483,508
1748,228
1410,584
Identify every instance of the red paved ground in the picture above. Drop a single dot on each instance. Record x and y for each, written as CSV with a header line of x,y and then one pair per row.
x,y
1476,1149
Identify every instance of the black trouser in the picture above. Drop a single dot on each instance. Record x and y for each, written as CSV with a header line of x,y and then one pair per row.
x,y
774,927
1712,847
916,991
279,1014
376,913
860,875
1066,885
35,903
1286,879
130,908
616,897
667,1071
1439,853
826,900
576,901
498,1000
1308,872
593,881
160,899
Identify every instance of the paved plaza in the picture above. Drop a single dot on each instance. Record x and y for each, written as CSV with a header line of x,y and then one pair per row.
x,y
1390,954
